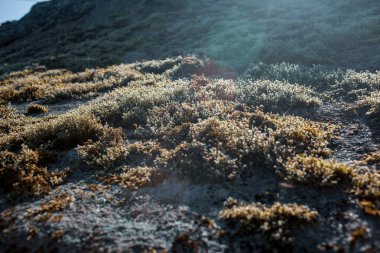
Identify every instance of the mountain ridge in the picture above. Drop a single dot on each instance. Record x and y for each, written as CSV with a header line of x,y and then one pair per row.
x,y
85,34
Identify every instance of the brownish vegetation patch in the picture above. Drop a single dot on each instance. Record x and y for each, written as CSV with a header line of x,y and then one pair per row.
x,y
36,108
107,152
276,222
21,173
317,171
367,190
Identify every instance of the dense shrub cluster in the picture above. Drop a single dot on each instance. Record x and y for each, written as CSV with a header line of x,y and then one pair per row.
x,y
21,173
219,150
277,96
205,89
223,149
367,189
107,152
276,222
199,128
317,171
135,178
370,103
63,132
347,85
316,76
36,83
143,153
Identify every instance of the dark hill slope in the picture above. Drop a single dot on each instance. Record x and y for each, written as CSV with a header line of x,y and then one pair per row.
x,y
88,33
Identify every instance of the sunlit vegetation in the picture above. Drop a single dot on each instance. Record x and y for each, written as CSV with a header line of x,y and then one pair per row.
x,y
106,152
259,133
202,128
276,222
370,103
37,82
372,158
140,124
278,96
137,177
37,109
224,149
21,173
367,189
317,171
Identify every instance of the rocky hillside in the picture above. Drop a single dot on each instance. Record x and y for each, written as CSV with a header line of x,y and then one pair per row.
x,y
226,150
89,33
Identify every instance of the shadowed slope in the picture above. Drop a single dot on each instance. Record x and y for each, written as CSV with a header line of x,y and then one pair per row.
x,y
76,35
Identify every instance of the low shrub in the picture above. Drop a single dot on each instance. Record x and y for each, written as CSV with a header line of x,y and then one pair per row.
x,y
367,189
64,132
223,149
277,96
372,158
21,173
316,76
205,89
36,108
317,171
217,150
105,153
143,153
135,178
276,222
